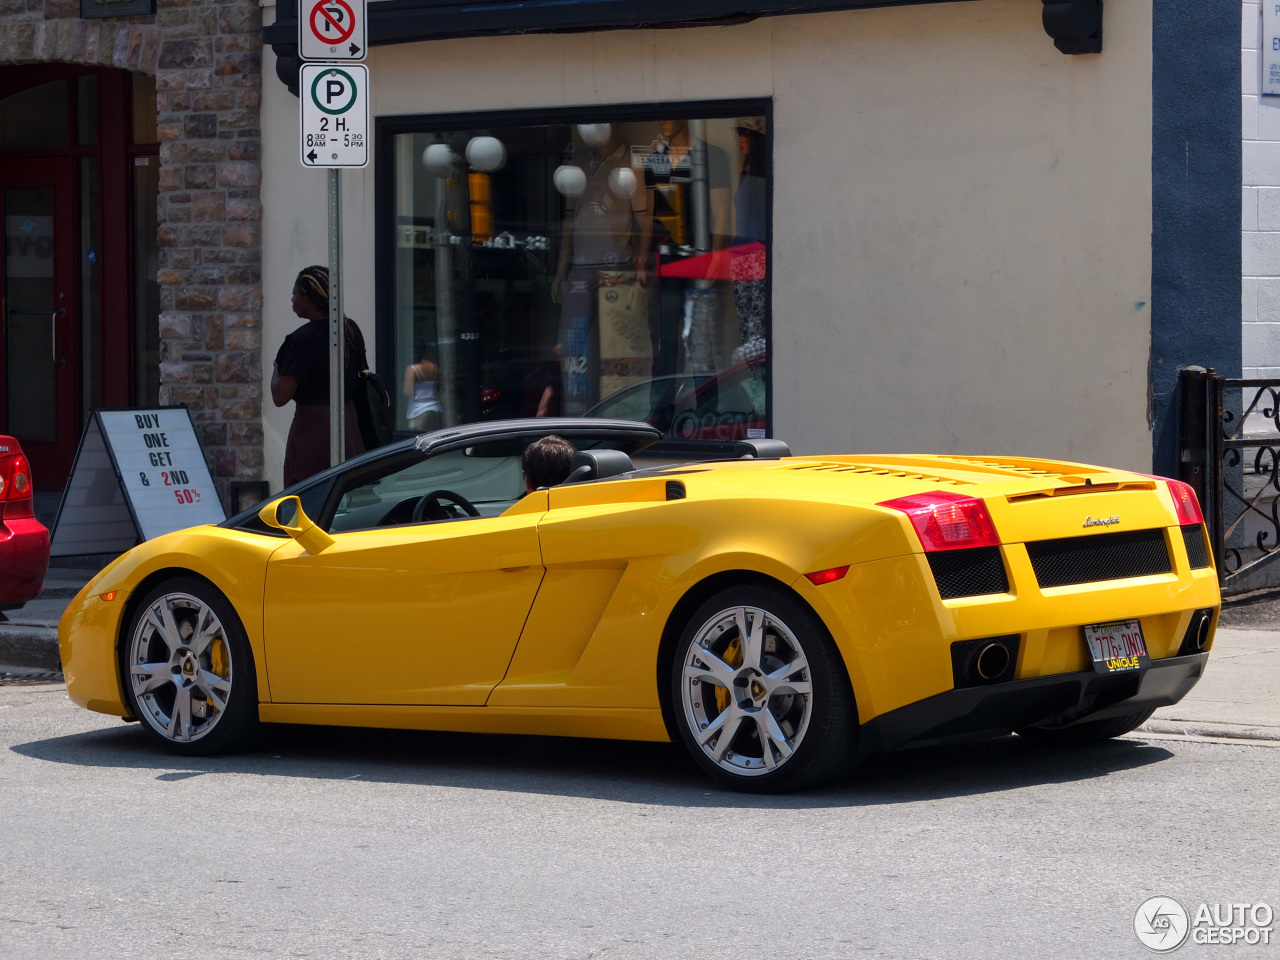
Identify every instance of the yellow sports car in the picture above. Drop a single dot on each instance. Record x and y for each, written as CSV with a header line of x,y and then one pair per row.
x,y
779,615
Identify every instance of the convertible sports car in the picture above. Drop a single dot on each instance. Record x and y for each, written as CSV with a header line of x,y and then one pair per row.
x,y
779,615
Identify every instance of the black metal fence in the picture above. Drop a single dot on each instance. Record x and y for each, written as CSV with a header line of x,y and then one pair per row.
x,y
1230,453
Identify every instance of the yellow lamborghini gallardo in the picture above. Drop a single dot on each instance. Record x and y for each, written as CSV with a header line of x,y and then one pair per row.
x,y
781,616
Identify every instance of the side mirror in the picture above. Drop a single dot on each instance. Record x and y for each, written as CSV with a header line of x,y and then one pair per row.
x,y
287,514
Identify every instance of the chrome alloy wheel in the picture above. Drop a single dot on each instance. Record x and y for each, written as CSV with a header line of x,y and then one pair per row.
x,y
180,667
747,692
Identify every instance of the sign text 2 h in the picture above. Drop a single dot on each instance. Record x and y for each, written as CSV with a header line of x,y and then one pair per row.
x,y
335,115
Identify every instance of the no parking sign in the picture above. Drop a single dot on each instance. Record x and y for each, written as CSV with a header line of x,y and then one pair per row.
x,y
335,115
332,30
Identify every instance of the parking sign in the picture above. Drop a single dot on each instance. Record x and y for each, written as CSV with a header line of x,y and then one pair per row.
x,y
332,29
335,115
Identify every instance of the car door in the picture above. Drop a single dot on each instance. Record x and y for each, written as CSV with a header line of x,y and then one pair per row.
x,y
403,608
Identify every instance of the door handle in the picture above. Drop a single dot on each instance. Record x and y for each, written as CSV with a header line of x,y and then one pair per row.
x,y
513,562
53,332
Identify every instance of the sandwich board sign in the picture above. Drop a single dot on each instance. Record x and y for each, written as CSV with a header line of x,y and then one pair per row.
x,y
332,30
137,474
335,114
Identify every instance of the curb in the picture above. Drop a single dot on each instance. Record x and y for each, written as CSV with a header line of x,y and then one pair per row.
x,y
1197,728
29,645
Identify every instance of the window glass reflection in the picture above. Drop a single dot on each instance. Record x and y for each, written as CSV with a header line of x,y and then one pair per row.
x,y
604,269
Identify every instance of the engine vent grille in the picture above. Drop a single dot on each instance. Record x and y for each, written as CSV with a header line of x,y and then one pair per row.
x,y
1104,556
825,466
1197,550
969,573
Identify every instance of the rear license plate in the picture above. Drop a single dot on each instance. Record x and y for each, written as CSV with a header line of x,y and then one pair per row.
x,y
1117,647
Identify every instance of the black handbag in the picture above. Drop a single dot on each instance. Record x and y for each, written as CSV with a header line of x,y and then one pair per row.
x,y
374,410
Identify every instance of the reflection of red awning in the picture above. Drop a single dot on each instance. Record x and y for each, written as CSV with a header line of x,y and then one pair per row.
x,y
743,262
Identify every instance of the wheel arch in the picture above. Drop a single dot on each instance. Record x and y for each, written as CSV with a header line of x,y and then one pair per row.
x,y
693,598
134,600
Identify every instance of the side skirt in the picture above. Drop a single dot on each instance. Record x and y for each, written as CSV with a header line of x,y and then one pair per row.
x,y
607,724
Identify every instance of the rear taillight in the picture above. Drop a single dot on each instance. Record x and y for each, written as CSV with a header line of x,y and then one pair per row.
x,y
947,521
1185,502
15,486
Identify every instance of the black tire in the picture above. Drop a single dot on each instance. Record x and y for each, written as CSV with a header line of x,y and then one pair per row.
x,y
788,731
198,693
1090,731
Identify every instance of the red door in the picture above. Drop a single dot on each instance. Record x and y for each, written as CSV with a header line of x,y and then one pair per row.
x,y
39,319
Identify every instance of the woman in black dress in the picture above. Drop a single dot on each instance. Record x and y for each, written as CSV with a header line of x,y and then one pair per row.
x,y
301,374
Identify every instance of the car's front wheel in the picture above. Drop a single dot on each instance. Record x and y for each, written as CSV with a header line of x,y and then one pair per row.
x,y
187,668
761,697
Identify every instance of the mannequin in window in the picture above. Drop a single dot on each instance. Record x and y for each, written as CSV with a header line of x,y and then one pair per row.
x,y
605,211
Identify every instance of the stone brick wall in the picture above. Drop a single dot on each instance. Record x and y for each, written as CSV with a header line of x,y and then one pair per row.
x,y
209,87
49,31
207,61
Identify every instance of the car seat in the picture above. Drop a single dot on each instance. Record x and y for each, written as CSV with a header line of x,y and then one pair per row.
x,y
598,465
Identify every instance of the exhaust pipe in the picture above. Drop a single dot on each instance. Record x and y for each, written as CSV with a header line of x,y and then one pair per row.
x,y
975,663
1202,630
1196,639
991,661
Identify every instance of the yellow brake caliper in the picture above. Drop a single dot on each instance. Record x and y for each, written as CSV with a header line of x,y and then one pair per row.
x,y
217,661
733,657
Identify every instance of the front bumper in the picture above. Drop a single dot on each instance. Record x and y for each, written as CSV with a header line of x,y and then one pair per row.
x,y
972,713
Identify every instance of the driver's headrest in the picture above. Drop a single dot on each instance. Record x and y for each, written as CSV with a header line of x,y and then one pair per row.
x,y
598,464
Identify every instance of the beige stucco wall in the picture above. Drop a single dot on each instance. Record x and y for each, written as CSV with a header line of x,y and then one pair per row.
x,y
962,215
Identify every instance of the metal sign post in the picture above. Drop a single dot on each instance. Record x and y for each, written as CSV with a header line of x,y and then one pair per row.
x,y
337,339
335,134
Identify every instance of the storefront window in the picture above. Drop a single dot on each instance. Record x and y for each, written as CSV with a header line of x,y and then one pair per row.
x,y
35,118
605,268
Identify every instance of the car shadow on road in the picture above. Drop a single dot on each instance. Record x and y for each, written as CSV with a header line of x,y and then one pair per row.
x,y
647,773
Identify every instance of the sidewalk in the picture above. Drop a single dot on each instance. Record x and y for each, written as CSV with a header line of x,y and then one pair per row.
x,y
1237,698
29,637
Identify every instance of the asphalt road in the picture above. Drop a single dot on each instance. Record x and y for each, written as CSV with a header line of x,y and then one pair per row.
x,y
341,843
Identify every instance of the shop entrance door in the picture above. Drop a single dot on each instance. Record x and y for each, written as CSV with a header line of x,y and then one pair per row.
x,y
38,314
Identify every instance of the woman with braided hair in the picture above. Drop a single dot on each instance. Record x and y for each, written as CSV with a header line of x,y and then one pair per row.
x,y
301,374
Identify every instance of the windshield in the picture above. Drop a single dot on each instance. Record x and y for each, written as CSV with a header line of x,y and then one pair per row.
x,y
489,483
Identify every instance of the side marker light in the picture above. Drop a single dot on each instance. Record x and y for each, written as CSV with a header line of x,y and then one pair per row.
x,y
108,596
827,576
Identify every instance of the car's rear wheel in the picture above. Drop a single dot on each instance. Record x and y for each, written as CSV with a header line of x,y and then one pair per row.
x,y
760,694
1090,731
187,668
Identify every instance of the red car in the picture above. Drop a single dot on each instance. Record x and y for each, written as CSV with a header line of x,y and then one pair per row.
x,y
24,541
